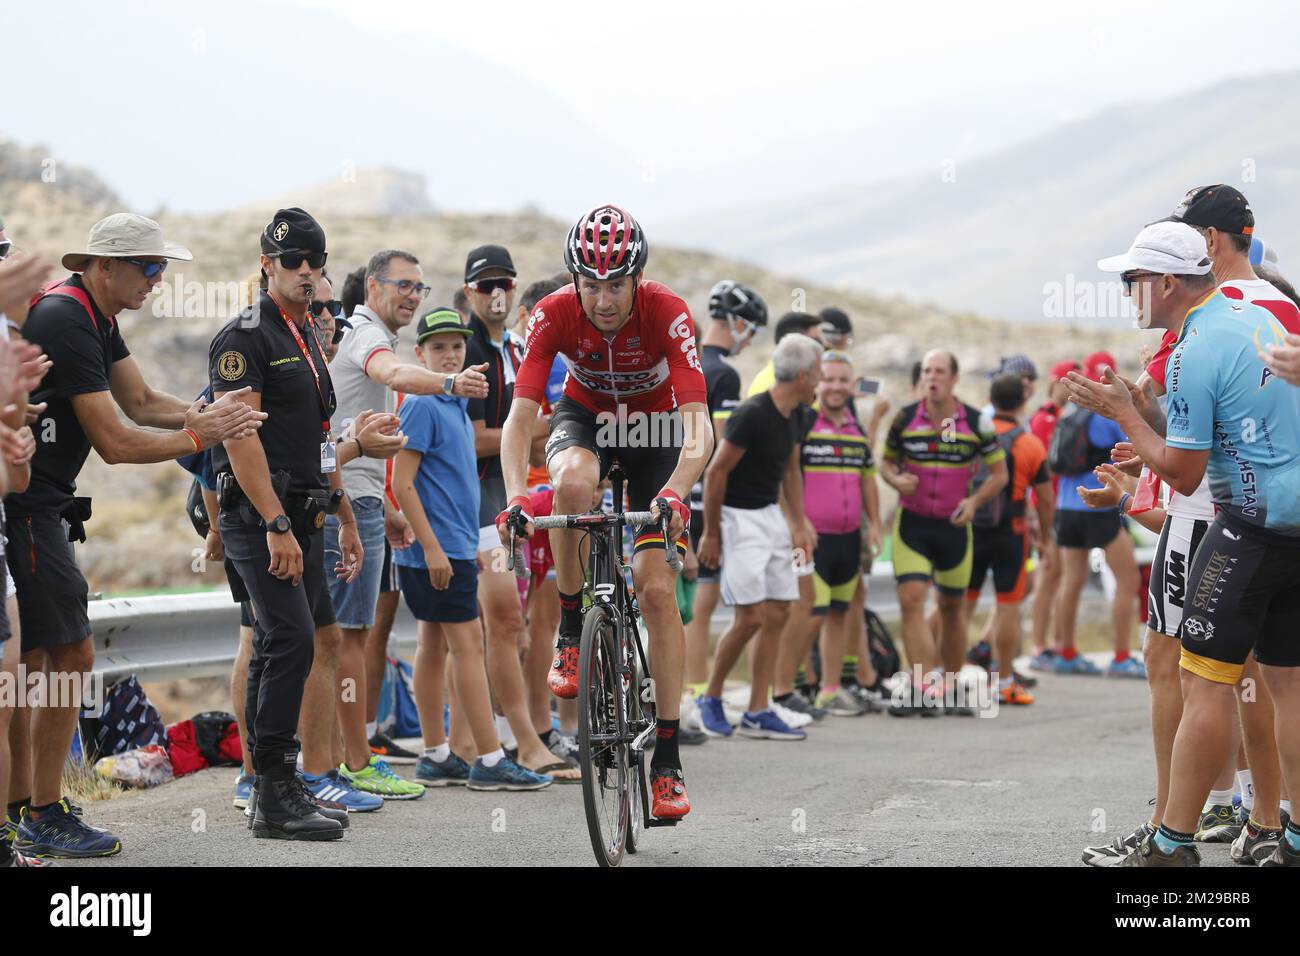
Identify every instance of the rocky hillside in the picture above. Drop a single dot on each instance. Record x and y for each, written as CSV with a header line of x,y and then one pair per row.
x,y
139,536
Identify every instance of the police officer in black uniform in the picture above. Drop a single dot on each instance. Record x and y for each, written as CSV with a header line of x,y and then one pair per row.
x,y
274,491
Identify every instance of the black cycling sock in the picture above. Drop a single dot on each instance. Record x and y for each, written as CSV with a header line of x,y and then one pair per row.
x,y
546,737
666,739
782,698
16,808
571,614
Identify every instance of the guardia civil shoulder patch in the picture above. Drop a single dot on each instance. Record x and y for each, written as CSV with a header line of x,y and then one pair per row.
x,y
231,366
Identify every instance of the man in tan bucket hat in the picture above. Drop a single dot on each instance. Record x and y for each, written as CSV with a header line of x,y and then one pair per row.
x,y
93,376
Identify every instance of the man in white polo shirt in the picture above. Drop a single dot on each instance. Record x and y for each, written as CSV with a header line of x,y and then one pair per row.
x,y
366,371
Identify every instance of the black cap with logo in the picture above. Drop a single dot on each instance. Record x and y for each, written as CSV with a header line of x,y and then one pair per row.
x,y
483,258
1215,207
292,230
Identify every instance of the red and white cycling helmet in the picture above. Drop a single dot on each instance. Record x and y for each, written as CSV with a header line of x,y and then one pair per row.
x,y
606,243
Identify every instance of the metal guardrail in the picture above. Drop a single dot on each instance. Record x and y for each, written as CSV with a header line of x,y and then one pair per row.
x,y
178,636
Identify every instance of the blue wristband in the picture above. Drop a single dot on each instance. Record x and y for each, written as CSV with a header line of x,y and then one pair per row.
x,y
1123,502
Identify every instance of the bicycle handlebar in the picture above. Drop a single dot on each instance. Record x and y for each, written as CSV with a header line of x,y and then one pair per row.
x,y
592,520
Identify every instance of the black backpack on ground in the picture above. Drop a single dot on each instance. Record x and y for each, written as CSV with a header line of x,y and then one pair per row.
x,y
885,658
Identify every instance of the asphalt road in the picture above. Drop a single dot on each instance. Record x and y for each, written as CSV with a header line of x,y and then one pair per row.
x,y
1030,786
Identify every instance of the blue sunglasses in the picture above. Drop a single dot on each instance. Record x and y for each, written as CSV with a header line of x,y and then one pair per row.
x,y
150,269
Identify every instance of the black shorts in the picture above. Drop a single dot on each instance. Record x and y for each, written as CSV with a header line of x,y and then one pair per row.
x,y
837,563
647,469
388,578
932,549
53,607
1002,550
1087,529
5,632
706,575
455,604
1241,596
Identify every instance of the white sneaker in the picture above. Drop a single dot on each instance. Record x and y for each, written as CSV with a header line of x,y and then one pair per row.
x,y
691,713
792,718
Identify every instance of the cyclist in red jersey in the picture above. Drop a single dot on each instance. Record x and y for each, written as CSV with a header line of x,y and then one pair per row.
x,y
634,389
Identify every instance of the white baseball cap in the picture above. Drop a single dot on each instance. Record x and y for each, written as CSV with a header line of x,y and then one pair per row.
x,y
121,235
1166,248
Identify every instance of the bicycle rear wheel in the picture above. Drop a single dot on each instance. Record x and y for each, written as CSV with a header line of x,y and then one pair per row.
x,y
603,750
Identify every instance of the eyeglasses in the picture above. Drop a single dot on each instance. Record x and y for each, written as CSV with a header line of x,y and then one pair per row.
x,y
491,285
407,287
292,260
150,269
5,246
1129,278
333,306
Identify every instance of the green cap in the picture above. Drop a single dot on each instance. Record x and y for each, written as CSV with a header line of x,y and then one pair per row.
x,y
440,320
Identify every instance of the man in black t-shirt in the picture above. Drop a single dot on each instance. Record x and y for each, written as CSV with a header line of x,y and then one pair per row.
x,y
750,536
92,377
736,313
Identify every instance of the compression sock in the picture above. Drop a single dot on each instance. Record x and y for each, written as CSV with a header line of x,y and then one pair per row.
x,y
494,758
1217,798
439,753
1246,785
1168,840
1292,834
666,740
570,615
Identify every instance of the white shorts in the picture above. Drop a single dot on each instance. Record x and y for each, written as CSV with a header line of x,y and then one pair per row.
x,y
756,562
1179,539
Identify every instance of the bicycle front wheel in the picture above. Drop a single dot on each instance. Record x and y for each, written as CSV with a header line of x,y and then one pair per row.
x,y
603,744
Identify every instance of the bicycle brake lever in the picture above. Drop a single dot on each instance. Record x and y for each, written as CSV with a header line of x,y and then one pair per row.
x,y
516,559
670,546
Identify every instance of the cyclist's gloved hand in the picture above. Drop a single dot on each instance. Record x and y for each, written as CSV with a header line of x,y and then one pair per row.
x,y
681,511
517,515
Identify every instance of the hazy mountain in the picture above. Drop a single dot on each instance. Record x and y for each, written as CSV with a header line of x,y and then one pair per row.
x,y
991,234
139,536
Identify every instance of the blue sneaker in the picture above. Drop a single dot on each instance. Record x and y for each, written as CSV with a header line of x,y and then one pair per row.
x,y
712,718
506,775
1128,667
1076,665
330,786
1043,661
244,789
766,725
452,772
61,832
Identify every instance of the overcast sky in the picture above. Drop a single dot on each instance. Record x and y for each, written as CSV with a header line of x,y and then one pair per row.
x,y
667,107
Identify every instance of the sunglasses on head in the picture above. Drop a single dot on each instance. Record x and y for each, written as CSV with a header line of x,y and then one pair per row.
x,y
491,285
150,269
292,260
407,287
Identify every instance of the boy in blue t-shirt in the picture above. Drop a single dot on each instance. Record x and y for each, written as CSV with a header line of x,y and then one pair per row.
x,y
435,479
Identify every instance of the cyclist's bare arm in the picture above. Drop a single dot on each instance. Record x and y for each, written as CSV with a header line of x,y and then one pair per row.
x,y
516,439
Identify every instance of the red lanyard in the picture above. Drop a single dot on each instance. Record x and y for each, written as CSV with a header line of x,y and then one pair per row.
x,y
306,353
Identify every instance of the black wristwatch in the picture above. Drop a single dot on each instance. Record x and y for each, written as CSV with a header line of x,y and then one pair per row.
x,y
281,525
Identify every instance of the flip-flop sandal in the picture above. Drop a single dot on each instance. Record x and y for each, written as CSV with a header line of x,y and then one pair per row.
x,y
552,768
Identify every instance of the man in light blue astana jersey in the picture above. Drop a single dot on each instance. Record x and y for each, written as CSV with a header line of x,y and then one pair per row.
x,y
1229,417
